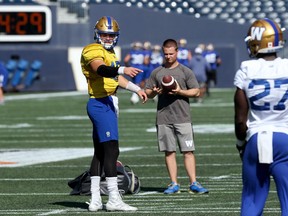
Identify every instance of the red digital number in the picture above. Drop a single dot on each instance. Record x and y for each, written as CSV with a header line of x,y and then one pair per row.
x,y
5,21
22,22
36,20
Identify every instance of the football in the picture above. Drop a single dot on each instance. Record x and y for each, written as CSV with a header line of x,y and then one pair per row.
x,y
168,83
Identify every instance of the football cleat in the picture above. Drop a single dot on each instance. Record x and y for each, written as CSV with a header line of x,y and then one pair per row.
x,y
115,203
264,36
107,25
93,207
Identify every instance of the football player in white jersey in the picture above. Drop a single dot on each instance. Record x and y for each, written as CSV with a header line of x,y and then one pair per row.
x,y
261,118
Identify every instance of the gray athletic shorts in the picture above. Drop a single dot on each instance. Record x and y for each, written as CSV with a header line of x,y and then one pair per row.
x,y
171,135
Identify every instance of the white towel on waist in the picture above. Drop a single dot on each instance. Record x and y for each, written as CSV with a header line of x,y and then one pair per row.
x,y
115,103
265,147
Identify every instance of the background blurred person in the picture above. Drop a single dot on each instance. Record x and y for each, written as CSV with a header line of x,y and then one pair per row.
x,y
147,48
184,55
214,59
136,58
156,60
199,66
3,81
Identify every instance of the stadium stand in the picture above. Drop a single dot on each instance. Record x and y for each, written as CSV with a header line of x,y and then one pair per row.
x,y
241,11
221,22
18,2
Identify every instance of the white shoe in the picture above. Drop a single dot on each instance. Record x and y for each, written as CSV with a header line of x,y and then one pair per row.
x,y
93,207
116,204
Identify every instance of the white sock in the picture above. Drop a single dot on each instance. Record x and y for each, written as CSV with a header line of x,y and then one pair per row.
x,y
95,189
112,185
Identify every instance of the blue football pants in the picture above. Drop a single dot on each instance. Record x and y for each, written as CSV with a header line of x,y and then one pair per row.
x,y
256,176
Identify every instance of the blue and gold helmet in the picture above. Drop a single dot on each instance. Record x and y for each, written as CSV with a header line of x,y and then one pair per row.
x,y
264,36
106,25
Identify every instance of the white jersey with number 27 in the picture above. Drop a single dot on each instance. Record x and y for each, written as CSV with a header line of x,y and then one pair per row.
x,y
266,86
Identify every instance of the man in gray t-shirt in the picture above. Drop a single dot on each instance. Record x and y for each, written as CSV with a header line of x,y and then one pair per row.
x,y
173,108
173,119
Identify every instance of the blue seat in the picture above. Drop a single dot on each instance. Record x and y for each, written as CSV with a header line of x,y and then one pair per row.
x,y
33,73
11,66
19,73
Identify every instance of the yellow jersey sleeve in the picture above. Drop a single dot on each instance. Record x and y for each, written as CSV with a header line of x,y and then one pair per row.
x,y
98,86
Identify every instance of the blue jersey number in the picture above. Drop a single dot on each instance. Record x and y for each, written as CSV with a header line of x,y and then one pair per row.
x,y
266,91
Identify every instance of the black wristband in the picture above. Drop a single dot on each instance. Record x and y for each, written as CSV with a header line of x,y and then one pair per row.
x,y
107,71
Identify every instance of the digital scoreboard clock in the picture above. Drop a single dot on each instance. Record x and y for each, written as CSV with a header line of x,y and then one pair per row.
x,y
27,23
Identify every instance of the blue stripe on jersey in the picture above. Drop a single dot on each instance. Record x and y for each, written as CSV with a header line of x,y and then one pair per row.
x,y
109,22
276,40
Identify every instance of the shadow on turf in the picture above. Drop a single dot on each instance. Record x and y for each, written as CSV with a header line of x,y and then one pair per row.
x,y
84,205
71,204
147,189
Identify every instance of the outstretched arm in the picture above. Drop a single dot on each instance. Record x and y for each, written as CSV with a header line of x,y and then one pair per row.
x,y
107,71
151,93
124,83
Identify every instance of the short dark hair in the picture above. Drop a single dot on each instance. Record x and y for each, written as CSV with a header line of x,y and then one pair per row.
x,y
170,43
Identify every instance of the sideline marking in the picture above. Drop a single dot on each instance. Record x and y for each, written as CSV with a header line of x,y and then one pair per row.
x,y
43,95
24,157
7,162
54,212
21,125
62,118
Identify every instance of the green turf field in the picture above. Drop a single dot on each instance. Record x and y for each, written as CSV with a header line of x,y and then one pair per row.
x,y
33,176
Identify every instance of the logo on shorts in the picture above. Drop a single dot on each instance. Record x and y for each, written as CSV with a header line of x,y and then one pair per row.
x,y
108,134
189,143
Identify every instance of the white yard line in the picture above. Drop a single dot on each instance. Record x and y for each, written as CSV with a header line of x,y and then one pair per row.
x,y
43,95
24,157
53,212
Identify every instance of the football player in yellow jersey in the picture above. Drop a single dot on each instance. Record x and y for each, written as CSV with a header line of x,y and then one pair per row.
x,y
104,74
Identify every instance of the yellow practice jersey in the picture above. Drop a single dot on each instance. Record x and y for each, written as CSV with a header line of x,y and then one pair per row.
x,y
98,86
